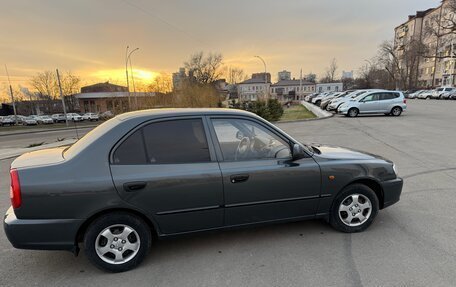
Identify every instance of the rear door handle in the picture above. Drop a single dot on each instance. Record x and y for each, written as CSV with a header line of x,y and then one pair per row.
x,y
134,186
239,178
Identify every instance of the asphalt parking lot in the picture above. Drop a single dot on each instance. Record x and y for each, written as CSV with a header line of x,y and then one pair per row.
x,y
412,243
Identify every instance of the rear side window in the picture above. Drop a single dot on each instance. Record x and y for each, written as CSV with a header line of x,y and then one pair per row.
x,y
131,151
169,142
389,96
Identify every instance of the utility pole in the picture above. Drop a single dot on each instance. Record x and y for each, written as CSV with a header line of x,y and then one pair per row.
x,y
11,93
61,96
300,85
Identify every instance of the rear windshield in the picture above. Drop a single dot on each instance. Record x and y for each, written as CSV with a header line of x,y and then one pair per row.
x,y
90,138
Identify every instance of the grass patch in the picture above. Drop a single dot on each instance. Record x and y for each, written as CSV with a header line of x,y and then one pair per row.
x,y
35,144
298,112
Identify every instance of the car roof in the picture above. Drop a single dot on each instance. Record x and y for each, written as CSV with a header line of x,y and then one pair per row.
x,y
182,112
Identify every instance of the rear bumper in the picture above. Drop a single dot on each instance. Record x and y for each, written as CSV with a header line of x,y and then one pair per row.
x,y
392,190
41,234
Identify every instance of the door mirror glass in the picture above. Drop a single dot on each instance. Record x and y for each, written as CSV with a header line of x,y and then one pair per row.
x,y
298,152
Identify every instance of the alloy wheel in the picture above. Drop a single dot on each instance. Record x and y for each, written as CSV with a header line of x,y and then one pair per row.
x,y
117,244
355,209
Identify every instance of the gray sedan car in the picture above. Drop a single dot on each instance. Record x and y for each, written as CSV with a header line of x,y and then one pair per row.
x,y
158,173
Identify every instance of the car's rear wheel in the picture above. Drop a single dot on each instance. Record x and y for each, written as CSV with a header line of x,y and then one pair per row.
x,y
354,209
353,112
117,242
396,111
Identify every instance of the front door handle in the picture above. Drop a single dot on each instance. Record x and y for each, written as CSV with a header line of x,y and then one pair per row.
x,y
239,178
134,186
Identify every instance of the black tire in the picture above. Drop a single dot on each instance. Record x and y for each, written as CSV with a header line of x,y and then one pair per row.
x,y
317,103
118,218
359,189
396,111
353,112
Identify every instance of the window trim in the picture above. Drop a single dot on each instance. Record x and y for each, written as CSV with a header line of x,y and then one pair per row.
x,y
218,148
212,152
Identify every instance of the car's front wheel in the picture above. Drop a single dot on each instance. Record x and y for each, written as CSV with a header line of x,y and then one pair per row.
x,y
353,112
117,242
354,209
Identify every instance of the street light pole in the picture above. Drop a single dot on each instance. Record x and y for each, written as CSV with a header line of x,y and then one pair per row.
x,y
126,73
132,77
12,96
265,75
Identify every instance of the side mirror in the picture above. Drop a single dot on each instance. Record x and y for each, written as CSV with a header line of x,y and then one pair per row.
x,y
298,152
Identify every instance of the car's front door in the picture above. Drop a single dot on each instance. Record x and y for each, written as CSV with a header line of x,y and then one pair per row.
x,y
369,104
261,182
168,169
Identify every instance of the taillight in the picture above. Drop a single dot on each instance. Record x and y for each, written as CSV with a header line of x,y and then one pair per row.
x,y
15,189
405,101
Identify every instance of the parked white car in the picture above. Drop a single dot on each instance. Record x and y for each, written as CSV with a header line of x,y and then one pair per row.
x,y
375,102
45,120
336,103
416,94
317,100
29,121
426,95
7,121
58,118
74,117
90,117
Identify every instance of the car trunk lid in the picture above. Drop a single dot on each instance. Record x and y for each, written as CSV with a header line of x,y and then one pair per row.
x,y
39,158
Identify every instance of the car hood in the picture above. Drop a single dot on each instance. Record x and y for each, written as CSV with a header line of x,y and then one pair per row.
x,y
336,153
40,157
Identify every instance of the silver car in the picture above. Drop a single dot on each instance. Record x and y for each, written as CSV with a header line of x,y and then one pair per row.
x,y
376,102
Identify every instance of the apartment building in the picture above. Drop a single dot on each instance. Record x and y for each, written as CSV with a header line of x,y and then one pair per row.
x,y
434,66
255,88
291,90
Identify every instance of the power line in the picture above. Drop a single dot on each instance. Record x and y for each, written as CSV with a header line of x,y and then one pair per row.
x,y
147,12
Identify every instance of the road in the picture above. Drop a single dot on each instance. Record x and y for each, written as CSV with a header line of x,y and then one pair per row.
x,y
411,243
25,139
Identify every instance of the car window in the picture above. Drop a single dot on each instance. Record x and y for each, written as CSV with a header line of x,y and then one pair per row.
x,y
131,151
177,141
388,96
242,140
371,97
168,142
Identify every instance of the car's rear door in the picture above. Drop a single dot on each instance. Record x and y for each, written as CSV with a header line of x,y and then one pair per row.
x,y
261,183
168,169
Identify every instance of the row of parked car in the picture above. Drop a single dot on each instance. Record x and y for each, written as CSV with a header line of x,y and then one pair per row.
x,y
33,120
354,102
444,93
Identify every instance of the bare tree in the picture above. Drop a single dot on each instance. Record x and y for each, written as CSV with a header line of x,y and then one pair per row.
x,y
401,62
46,84
236,75
207,69
161,84
330,74
311,77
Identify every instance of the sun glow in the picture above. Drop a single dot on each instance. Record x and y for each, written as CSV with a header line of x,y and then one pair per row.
x,y
140,75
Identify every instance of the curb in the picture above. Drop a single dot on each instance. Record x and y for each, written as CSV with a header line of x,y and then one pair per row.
x,y
316,110
44,130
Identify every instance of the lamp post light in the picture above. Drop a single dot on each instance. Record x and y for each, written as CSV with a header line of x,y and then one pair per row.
x,y
265,74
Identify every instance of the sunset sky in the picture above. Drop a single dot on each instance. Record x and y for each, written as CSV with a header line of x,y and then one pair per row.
x,y
88,37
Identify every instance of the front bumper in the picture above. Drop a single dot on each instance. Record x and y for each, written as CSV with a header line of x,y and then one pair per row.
x,y
392,190
41,234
